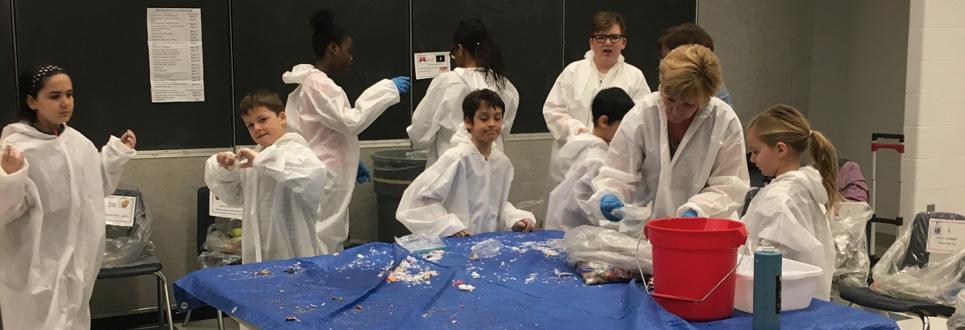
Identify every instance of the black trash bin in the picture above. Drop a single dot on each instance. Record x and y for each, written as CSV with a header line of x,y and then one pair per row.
x,y
394,170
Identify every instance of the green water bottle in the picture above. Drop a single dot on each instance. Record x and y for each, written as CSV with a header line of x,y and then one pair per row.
x,y
767,288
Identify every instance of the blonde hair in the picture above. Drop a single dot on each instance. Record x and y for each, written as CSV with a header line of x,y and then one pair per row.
x,y
783,123
692,73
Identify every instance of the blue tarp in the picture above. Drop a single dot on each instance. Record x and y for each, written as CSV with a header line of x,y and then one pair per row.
x,y
517,289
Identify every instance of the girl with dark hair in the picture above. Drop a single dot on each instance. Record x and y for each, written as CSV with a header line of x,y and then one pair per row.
x,y
437,121
320,111
52,188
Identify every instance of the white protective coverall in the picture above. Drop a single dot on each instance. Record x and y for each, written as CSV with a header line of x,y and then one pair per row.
x,y
53,226
789,214
438,119
280,195
462,191
319,110
581,159
567,107
708,173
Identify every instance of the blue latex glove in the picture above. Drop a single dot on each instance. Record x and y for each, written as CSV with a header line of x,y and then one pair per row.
x,y
690,214
363,175
609,203
402,83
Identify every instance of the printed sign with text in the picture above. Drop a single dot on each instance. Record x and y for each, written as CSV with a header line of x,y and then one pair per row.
x,y
119,210
945,238
218,208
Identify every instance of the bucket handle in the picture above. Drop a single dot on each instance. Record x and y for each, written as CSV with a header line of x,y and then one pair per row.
x,y
673,297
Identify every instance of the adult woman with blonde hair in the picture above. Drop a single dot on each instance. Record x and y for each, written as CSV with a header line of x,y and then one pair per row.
x,y
679,148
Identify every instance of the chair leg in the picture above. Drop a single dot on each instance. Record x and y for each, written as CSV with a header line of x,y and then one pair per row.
x,y
220,320
187,318
167,299
925,325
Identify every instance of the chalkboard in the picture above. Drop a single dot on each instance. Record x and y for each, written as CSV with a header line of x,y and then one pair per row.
x,y
270,37
8,69
643,27
249,44
103,46
530,33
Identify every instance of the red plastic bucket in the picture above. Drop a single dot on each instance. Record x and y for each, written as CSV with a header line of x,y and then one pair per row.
x,y
693,265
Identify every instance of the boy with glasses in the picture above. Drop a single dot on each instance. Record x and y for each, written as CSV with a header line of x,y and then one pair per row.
x,y
567,108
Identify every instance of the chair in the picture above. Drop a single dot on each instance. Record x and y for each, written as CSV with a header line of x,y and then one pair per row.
x,y
757,178
748,198
915,256
151,267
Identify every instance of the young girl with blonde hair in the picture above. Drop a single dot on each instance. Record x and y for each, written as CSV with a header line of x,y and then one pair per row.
x,y
790,213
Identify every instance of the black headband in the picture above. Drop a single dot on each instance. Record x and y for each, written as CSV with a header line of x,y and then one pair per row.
x,y
44,72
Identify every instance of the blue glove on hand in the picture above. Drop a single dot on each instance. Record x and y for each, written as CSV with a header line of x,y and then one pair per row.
x,y
690,214
402,83
363,175
609,203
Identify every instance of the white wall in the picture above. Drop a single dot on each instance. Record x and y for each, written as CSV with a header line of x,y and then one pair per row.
x,y
858,83
934,122
764,48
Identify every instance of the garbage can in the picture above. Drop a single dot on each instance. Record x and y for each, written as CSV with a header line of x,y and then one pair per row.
x,y
394,170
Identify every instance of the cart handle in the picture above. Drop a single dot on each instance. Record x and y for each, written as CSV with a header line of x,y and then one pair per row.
x,y
900,148
899,137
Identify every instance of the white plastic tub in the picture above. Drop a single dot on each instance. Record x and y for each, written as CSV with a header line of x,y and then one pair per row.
x,y
798,281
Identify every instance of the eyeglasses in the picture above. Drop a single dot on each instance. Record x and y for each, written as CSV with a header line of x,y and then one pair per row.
x,y
452,53
601,38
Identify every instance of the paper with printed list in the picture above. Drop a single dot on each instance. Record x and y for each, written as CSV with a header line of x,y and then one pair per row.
x,y
175,54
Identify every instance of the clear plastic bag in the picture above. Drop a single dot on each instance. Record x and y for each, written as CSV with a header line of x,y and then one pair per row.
x,y
600,273
850,241
631,212
209,259
634,218
485,249
220,249
591,244
128,248
220,241
957,320
419,243
908,272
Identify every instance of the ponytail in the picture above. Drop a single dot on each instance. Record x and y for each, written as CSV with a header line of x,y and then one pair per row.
x,y
476,39
490,56
825,159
